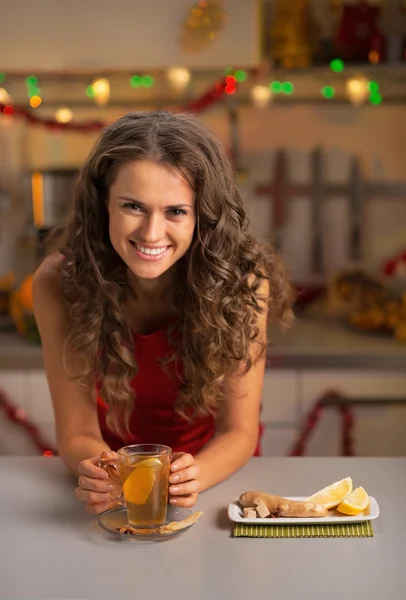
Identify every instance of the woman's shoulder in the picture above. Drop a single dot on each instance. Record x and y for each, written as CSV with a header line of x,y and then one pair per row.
x,y
46,280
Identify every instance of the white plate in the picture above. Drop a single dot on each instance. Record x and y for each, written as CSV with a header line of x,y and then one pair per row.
x,y
235,513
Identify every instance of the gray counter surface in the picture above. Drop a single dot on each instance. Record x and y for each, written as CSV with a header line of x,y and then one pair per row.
x,y
310,344
51,549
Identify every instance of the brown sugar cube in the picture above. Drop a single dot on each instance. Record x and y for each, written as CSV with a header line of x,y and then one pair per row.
x,y
250,513
261,509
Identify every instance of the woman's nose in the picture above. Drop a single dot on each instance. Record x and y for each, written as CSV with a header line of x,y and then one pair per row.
x,y
153,228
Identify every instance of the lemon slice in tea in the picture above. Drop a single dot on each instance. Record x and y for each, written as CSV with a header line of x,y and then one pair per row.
x,y
138,485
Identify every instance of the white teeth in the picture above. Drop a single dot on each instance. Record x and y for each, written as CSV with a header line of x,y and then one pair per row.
x,y
153,251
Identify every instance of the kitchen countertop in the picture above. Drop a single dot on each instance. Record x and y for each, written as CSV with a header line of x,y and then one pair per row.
x,y
51,548
310,344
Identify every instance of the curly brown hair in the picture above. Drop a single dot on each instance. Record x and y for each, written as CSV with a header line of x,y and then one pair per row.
x,y
217,304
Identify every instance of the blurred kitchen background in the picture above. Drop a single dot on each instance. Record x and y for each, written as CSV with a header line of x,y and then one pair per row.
x,y
309,97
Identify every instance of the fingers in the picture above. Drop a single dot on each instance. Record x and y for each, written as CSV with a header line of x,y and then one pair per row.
x,y
91,468
187,474
184,480
188,483
108,454
95,509
184,501
97,485
182,461
191,487
91,497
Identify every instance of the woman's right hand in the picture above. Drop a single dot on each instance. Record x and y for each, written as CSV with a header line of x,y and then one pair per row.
x,y
95,487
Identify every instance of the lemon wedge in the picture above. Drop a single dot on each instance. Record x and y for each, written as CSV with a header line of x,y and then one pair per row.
x,y
355,503
138,485
334,494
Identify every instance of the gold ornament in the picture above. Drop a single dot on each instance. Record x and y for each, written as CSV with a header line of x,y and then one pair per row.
x,y
293,34
205,20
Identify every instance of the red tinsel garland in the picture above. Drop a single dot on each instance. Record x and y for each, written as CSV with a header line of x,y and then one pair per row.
x,y
19,417
313,417
213,95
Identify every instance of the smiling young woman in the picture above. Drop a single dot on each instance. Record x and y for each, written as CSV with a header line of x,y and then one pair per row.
x,y
153,313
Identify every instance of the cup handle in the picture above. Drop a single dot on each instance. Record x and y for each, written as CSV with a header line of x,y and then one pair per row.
x,y
110,465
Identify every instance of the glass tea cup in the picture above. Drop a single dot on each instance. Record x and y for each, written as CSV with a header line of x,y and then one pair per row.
x,y
143,471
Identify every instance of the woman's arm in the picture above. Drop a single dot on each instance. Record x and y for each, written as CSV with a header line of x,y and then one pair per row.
x,y
237,437
77,426
237,431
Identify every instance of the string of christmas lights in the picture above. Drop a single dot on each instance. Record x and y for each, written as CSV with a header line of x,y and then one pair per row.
x,y
224,86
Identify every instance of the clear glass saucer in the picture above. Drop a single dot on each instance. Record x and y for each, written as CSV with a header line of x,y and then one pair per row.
x,y
112,520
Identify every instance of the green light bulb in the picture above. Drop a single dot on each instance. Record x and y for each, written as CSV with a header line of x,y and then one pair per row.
x,y
337,65
90,91
147,81
31,80
240,75
135,81
276,87
328,91
287,87
373,87
375,99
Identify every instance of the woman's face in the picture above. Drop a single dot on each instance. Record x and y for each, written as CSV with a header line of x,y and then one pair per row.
x,y
152,217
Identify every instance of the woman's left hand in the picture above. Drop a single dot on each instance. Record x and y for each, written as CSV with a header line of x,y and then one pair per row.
x,y
184,480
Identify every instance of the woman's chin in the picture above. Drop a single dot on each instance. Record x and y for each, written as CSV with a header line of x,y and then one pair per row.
x,y
148,271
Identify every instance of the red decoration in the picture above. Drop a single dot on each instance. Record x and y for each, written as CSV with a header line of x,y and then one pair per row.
x,y
19,111
213,95
329,398
19,417
396,265
358,34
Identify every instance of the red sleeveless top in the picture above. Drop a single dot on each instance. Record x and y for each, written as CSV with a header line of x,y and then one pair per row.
x,y
154,419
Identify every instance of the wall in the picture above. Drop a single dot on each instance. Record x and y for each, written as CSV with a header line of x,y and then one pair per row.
x,y
376,134
53,35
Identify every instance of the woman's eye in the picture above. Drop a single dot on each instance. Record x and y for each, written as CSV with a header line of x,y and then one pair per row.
x,y
176,212
132,206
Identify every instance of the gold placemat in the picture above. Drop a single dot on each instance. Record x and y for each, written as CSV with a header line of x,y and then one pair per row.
x,y
341,530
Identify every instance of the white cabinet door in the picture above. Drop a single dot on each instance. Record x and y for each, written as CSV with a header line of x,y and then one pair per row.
x,y
41,407
279,397
41,404
278,441
14,384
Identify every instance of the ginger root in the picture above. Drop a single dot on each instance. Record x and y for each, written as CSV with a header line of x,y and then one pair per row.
x,y
283,507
